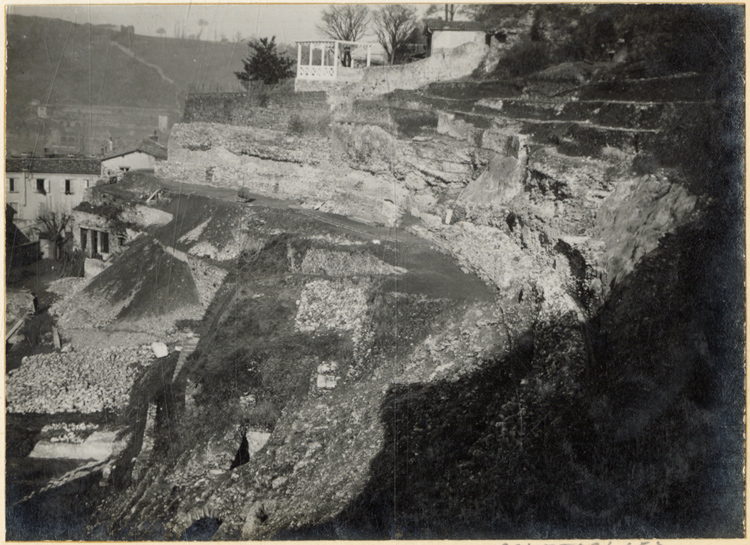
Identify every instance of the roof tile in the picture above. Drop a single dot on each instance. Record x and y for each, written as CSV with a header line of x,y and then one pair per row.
x,y
439,24
54,165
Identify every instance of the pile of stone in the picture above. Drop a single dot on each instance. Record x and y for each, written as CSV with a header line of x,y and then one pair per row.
x,y
86,381
67,286
332,263
339,306
487,251
85,311
18,305
65,432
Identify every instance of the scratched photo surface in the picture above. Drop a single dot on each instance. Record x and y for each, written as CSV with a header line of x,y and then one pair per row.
x,y
406,271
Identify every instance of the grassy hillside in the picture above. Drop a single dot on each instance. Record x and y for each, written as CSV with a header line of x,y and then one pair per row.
x,y
59,63
192,64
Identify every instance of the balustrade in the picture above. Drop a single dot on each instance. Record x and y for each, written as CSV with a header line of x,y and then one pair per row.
x,y
316,72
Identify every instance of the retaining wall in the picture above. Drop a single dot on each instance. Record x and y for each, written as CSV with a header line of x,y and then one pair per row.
x,y
271,110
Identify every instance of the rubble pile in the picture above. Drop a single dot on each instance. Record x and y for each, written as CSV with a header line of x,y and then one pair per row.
x,y
85,311
67,286
18,305
65,432
207,278
86,381
332,263
333,305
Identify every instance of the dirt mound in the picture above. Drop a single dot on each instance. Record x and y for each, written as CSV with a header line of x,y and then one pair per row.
x,y
144,281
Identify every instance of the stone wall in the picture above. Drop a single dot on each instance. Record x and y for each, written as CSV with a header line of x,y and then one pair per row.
x,y
441,66
272,110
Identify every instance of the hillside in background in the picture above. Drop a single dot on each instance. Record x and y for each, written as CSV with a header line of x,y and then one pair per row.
x,y
75,67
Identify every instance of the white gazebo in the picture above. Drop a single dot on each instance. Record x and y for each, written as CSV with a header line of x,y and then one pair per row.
x,y
330,64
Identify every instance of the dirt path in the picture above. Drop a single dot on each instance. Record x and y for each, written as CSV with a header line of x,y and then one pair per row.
x,y
431,272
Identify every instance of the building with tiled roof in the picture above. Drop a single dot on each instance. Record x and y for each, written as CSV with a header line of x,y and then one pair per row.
x,y
446,35
432,25
144,156
56,165
35,185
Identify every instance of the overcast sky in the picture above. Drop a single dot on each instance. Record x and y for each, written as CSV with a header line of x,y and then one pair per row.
x,y
287,22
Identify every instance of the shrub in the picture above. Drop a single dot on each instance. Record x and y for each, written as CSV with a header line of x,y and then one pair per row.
x,y
523,59
263,416
296,125
265,64
614,154
645,163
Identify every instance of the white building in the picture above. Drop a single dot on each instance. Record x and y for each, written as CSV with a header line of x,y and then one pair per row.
x,y
142,157
446,35
34,185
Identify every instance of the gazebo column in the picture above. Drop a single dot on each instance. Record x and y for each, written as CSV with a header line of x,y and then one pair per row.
x,y
368,56
336,60
299,56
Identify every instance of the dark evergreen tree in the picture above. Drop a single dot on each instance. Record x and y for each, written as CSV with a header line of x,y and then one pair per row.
x,y
265,63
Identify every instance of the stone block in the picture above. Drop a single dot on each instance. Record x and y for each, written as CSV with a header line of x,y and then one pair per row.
x,y
160,349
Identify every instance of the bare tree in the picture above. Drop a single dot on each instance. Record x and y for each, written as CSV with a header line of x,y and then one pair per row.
x,y
179,31
202,23
394,23
450,10
52,226
347,22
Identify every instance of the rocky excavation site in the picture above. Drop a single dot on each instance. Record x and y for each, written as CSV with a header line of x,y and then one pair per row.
x,y
487,308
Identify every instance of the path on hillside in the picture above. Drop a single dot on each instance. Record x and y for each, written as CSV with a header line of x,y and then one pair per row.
x,y
143,61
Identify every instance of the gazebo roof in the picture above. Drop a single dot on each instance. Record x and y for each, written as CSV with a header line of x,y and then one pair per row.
x,y
341,42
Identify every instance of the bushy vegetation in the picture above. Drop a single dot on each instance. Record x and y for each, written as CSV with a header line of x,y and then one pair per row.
x,y
524,58
299,127
296,126
265,63
667,39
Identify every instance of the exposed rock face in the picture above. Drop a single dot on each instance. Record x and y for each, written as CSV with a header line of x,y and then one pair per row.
x,y
636,215
240,157
502,180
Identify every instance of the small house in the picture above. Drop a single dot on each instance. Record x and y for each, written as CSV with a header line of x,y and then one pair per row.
x,y
142,157
445,35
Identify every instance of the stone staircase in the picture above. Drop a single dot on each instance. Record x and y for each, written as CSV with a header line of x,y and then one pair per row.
x,y
188,347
